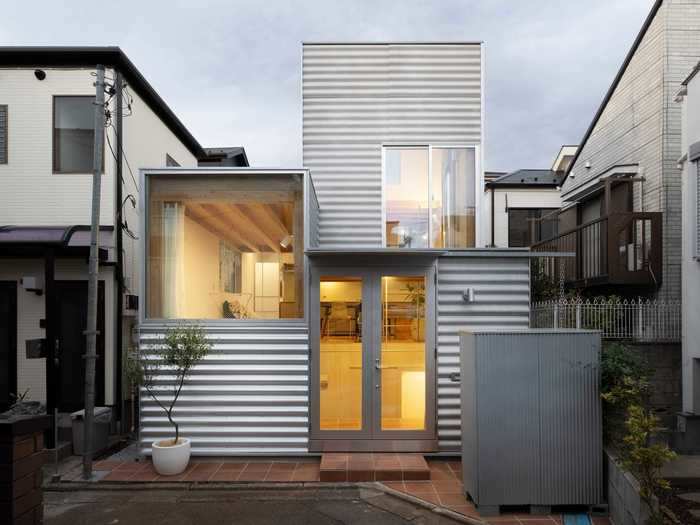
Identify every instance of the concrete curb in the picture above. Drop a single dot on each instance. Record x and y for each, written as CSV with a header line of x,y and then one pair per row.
x,y
425,504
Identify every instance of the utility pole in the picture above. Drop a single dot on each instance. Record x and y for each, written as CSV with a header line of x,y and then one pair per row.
x,y
94,268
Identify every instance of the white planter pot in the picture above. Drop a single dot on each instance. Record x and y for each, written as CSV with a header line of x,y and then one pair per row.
x,y
171,460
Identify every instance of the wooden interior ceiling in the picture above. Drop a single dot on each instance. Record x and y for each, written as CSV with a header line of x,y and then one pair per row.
x,y
249,227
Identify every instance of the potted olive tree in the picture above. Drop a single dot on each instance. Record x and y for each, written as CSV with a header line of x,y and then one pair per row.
x,y
182,348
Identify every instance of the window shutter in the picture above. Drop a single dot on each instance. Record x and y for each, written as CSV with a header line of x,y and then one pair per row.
x,y
3,134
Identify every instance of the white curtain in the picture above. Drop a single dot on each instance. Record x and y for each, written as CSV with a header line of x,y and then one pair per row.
x,y
173,260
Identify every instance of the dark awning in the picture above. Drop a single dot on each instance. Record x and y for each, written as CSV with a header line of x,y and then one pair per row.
x,y
67,241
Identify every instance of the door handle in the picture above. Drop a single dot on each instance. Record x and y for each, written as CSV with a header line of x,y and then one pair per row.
x,y
380,367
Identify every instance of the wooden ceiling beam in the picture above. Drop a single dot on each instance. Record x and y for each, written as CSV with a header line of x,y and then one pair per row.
x,y
268,214
203,215
237,214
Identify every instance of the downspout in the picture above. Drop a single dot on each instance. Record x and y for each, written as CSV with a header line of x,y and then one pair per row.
x,y
120,258
493,218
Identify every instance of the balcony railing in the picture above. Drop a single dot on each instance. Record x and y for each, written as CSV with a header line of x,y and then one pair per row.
x,y
620,248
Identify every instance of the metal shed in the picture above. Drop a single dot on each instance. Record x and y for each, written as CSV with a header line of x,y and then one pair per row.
x,y
531,418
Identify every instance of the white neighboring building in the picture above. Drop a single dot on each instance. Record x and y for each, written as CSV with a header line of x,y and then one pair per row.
x,y
518,201
690,254
46,141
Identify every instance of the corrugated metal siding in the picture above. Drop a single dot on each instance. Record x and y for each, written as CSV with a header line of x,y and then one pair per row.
x,y
356,97
502,296
541,386
250,395
3,134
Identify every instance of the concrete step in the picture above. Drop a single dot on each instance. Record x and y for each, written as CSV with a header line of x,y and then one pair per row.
x,y
341,466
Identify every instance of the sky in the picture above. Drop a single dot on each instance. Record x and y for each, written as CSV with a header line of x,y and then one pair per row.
x,y
230,70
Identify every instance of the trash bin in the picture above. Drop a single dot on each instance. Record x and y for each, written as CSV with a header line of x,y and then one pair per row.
x,y
102,421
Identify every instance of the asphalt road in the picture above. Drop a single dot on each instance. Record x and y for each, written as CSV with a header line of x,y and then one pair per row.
x,y
141,505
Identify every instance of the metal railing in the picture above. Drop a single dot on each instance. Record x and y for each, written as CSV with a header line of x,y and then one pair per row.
x,y
620,248
638,320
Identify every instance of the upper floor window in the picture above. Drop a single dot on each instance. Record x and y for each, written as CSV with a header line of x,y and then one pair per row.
x,y
430,197
527,226
3,134
73,134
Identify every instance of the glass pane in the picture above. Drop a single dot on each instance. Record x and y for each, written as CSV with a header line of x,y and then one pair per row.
x,y
453,197
74,121
403,353
341,353
225,247
406,193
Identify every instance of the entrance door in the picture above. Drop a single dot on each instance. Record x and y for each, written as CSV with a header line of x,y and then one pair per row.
x,y
8,342
72,321
373,359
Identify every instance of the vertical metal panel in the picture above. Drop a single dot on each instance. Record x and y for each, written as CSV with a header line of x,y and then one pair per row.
x,y
3,134
249,396
537,417
360,96
502,295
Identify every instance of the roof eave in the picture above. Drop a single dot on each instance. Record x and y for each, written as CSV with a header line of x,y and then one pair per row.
x,y
613,86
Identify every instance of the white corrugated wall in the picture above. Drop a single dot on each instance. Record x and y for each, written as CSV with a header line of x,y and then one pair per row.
x,y
249,396
501,300
357,97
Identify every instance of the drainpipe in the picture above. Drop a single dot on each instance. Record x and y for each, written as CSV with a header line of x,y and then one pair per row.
x,y
493,215
119,241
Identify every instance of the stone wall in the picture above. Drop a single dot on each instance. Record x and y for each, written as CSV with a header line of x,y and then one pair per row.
x,y
665,362
625,505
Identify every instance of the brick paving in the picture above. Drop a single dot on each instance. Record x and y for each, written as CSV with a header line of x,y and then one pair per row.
x,y
339,467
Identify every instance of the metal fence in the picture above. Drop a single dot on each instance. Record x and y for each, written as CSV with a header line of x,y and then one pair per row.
x,y
638,320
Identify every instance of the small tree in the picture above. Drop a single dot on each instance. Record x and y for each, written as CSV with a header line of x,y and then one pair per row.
x,y
625,388
182,348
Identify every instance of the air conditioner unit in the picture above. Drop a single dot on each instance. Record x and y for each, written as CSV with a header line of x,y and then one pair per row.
x,y
131,304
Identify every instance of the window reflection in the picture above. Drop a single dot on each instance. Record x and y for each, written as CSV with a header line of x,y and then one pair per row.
x,y
341,353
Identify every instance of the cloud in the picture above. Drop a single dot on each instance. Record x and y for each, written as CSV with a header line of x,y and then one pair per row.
x,y
231,70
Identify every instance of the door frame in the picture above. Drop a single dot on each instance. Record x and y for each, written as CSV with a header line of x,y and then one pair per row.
x,y
100,364
371,437
11,288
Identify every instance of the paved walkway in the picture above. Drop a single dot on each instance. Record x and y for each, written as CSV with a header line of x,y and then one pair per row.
x,y
350,506
443,490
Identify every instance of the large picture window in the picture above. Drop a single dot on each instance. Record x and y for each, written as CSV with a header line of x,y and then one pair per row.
x,y
225,246
430,197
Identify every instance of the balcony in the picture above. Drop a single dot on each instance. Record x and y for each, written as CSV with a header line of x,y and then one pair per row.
x,y
618,249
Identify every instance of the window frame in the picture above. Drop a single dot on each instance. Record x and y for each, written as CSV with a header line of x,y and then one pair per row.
x,y
524,208
53,137
478,187
6,145
307,188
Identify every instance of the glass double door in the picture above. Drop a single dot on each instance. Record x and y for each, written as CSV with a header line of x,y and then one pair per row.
x,y
373,361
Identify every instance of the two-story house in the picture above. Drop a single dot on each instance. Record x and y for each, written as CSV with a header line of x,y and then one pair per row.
x,y
523,205
334,294
621,211
47,107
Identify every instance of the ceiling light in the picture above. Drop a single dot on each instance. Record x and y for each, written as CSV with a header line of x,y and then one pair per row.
x,y
289,239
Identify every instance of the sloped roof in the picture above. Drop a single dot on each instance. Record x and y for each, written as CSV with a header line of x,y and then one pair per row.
x,y
616,81
529,178
111,57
